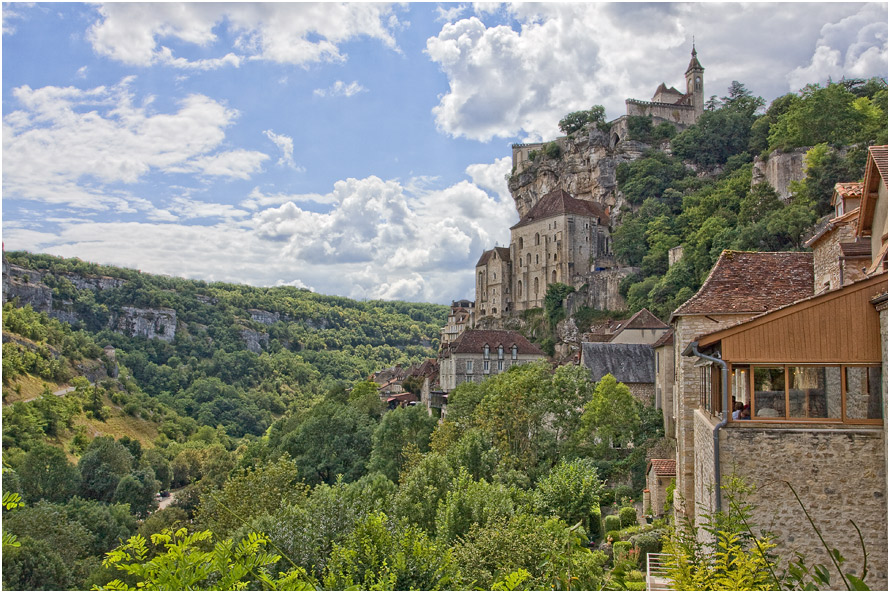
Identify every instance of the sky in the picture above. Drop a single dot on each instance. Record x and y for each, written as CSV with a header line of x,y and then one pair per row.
x,y
353,149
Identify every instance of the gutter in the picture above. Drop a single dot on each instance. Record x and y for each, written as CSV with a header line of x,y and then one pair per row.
x,y
692,350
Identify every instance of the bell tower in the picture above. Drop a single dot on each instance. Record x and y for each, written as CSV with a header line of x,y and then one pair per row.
x,y
695,83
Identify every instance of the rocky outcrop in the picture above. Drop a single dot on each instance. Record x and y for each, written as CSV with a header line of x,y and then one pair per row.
x,y
152,324
780,169
586,168
264,317
94,283
256,341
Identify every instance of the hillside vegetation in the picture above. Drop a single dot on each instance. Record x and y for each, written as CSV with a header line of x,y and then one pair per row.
x,y
718,208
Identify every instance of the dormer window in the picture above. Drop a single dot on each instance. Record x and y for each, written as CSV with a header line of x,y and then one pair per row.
x,y
500,352
515,352
486,351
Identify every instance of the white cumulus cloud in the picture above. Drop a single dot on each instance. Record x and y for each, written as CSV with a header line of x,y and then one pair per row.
x,y
63,144
340,89
286,33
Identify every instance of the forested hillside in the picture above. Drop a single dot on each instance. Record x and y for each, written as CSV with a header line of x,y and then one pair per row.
x,y
700,195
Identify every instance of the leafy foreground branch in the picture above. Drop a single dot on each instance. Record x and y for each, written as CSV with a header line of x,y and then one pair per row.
x,y
733,558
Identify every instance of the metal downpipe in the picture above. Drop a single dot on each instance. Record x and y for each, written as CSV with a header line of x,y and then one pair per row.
x,y
692,350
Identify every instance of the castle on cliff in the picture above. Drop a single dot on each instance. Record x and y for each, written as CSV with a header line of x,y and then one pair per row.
x,y
565,238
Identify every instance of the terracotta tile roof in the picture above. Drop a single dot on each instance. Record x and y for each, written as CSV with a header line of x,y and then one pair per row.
x,y
663,467
852,189
559,202
666,340
752,282
879,154
473,341
644,319
875,174
503,253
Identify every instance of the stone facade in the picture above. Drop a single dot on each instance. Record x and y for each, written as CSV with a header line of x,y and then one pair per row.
x,y
493,282
817,461
479,354
664,384
643,392
658,478
687,394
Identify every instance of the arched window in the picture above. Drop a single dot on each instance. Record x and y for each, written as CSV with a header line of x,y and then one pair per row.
x,y
536,286
537,260
520,261
513,355
500,352
486,351
520,288
553,276
537,239
520,242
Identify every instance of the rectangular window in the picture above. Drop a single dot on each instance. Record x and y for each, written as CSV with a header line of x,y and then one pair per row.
x,y
486,366
469,367
863,386
769,392
500,365
814,392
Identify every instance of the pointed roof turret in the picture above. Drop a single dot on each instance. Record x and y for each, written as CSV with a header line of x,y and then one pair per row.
x,y
694,64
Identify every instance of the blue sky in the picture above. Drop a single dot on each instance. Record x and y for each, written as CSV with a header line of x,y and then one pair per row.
x,y
355,149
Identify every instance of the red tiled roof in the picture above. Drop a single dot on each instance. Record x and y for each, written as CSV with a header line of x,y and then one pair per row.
x,y
663,467
879,154
560,202
852,189
826,226
503,252
666,340
877,162
752,282
644,319
473,340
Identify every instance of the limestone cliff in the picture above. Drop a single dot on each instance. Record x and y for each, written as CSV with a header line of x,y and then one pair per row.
x,y
586,168
779,169
150,324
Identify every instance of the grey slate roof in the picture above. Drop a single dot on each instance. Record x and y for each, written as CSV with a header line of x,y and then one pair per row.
x,y
628,363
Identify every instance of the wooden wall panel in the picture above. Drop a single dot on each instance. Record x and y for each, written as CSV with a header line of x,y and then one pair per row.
x,y
842,326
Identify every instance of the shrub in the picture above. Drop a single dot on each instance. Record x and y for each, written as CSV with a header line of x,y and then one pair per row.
x,y
622,492
614,535
595,521
628,516
552,150
612,523
621,549
607,497
669,499
646,543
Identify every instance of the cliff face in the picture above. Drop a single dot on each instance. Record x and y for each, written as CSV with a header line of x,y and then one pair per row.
x,y
586,168
780,169
28,288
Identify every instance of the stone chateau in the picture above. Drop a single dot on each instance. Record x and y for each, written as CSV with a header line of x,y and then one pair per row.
x,y
563,234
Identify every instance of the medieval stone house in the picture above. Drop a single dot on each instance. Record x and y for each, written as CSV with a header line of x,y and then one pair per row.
x,y
559,240
477,355
803,349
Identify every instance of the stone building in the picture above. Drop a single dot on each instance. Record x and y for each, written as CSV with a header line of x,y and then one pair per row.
x,y
840,258
631,364
740,286
478,354
493,280
664,381
461,317
671,105
659,474
807,359
642,328
560,239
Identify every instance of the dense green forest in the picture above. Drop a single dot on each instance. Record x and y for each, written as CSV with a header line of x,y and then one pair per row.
x,y
287,470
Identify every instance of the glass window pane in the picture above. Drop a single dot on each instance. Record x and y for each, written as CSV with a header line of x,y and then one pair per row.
x,y
769,393
864,393
741,394
814,392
